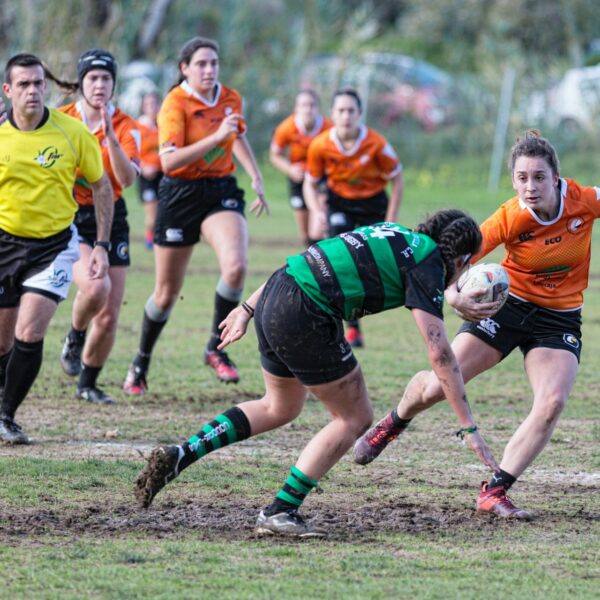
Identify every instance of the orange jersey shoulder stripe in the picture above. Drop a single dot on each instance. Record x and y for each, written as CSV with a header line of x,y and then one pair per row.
x,y
127,132
354,174
291,133
547,262
186,117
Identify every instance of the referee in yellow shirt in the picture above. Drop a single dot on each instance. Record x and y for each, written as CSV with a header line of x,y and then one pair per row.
x,y
41,151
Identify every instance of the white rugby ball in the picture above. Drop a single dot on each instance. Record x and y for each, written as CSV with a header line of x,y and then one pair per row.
x,y
490,277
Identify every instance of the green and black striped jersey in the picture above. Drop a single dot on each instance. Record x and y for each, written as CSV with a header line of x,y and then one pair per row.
x,y
372,269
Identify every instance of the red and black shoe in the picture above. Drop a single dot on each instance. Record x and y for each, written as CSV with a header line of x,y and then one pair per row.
x,y
135,382
368,447
225,369
354,337
494,500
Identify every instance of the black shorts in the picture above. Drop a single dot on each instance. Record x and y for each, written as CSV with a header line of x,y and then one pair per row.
x,y
85,220
42,266
344,215
296,195
183,204
528,326
296,338
149,188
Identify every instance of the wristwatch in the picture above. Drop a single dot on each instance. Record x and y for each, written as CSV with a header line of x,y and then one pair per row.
x,y
103,244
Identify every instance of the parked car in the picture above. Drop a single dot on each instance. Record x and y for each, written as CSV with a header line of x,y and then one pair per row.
x,y
393,86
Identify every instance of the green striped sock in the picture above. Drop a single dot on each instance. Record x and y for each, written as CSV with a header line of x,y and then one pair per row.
x,y
296,487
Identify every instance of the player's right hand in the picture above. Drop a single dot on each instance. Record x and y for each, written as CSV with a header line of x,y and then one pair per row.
x,y
229,125
477,444
233,327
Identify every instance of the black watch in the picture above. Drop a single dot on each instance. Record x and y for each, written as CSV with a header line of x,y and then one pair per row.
x,y
106,245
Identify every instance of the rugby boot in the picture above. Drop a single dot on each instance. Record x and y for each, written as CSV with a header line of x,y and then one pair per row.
x,y
288,523
11,432
225,369
70,356
162,467
94,395
368,447
135,383
495,500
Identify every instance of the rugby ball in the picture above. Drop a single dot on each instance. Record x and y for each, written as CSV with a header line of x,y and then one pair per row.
x,y
490,277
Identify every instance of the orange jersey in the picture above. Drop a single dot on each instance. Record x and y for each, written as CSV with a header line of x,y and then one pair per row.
x,y
292,133
186,117
354,174
127,132
547,262
149,146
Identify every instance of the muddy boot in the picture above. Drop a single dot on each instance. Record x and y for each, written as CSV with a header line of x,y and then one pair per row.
x,y
162,467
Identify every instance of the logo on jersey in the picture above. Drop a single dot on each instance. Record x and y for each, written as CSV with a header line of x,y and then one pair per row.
x,y
228,110
553,240
571,340
47,157
438,300
364,159
123,250
58,278
575,224
230,203
174,235
526,236
213,154
489,326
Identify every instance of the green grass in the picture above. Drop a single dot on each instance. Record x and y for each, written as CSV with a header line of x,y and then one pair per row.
x,y
402,528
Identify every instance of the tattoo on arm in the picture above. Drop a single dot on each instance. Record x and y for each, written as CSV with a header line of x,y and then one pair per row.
x,y
103,207
434,336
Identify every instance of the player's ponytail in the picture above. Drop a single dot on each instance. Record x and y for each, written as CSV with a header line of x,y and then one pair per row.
x,y
455,233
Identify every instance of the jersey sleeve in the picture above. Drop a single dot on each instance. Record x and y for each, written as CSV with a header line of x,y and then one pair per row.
x,y
592,196
424,285
171,126
494,231
90,156
315,163
280,138
388,161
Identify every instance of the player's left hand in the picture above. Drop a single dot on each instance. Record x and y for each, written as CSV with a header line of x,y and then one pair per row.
x,y
467,307
260,204
107,126
98,267
233,327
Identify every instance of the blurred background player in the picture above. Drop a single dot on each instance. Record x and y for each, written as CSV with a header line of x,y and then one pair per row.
x,y
150,168
98,302
201,128
289,147
298,319
358,163
546,230
38,242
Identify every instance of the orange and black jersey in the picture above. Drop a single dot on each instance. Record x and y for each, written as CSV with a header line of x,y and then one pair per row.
x,y
361,172
292,133
127,132
186,117
547,261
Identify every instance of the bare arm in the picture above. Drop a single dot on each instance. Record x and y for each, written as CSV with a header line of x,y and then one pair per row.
x,y
121,165
444,365
235,325
180,157
243,152
395,197
317,208
295,171
104,207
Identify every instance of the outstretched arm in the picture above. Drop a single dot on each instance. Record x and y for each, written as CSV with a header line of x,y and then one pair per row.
x,y
234,326
444,364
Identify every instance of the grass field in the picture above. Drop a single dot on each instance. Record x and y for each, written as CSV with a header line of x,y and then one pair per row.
x,y
403,527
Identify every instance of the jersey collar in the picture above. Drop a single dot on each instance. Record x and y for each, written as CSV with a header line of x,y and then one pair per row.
x,y
362,134
44,120
563,192
186,87
310,132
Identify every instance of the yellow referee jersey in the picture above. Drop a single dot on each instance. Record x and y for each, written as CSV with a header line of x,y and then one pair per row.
x,y
37,174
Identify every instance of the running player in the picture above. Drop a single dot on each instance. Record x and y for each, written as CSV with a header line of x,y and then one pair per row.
x,y
98,302
289,147
358,163
41,150
201,128
149,163
299,314
546,230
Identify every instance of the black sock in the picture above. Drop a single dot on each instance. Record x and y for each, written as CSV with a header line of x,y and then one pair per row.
x,y
150,333
501,478
3,362
279,506
227,428
222,308
77,336
22,369
88,376
399,423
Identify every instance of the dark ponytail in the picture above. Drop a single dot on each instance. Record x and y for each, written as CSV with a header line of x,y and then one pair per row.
x,y
455,233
